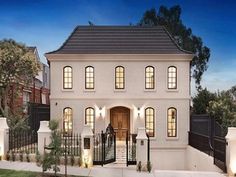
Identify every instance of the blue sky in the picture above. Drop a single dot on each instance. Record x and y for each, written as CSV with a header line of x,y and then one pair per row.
x,y
47,23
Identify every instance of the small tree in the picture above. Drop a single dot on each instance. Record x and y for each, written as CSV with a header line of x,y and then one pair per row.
x,y
51,159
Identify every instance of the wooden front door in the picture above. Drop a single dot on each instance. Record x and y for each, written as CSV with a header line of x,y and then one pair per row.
x,y
120,121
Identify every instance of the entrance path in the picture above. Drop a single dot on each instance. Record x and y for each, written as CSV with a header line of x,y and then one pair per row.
x,y
107,171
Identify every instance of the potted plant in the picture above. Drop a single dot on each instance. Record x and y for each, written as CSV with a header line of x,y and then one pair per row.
x,y
8,156
139,166
27,156
149,166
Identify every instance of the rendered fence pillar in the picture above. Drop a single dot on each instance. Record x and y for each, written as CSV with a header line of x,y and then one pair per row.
x,y
4,137
142,146
87,146
44,134
231,151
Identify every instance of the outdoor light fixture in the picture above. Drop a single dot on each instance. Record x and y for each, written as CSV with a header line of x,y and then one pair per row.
x,y
138,110
100,112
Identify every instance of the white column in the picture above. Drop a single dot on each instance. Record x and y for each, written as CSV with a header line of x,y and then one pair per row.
x,y
231,151
141,146
44,134
87,146
4,137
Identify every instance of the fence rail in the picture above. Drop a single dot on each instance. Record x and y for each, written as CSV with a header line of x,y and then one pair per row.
x,y
23,141
71,144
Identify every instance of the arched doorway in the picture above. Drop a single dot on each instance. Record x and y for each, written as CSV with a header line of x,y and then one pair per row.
x,y
120,121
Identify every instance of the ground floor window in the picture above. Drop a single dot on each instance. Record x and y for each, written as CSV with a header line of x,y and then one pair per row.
x,y
172,122
90,117
149,121
67,120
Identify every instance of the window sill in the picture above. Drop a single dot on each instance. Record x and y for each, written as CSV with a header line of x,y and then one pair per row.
x,y
172,138
67,90
149,90
89,90
119,90
172,90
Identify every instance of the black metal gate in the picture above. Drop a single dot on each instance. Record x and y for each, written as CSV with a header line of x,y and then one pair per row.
x,y
207,136
104,147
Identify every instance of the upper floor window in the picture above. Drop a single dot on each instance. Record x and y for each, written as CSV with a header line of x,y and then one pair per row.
x,y
67,120
149,77
90,117
119,77
150,121
67,77
172,122
172,77
89,77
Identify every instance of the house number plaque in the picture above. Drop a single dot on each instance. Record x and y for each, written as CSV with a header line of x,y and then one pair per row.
x,y
86,143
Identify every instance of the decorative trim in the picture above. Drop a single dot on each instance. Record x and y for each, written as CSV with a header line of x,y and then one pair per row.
x,y
119,57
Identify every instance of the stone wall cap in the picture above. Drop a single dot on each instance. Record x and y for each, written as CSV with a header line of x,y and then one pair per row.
x,y
231,135
44,127
3,123
142,134
87,131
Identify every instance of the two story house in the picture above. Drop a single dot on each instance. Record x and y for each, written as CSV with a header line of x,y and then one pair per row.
x,y
128,76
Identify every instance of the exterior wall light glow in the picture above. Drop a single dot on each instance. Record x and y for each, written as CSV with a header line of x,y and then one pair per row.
x,y
138,111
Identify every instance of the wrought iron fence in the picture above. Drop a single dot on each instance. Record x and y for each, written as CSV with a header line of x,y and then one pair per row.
x,y
131,149
71,144
23,141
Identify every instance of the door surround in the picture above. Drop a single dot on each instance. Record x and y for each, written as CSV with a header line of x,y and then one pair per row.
x,y
120,120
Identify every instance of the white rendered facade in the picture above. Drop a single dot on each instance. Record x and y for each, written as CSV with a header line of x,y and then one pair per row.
x,y
133,96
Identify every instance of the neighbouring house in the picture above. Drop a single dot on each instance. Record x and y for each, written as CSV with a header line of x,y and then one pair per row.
x,y
128,76
36,92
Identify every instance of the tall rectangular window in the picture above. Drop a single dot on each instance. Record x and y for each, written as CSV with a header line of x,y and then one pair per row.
x,y
149,77
67,77
150,121
172,77
89,77
119,77
67,121
172,122
90,117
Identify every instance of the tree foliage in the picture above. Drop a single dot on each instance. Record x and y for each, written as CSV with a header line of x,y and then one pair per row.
x,y
171,20
201,101
223,109
51,159
17,66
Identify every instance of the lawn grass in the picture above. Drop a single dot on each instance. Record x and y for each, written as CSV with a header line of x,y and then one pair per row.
x,y
13,173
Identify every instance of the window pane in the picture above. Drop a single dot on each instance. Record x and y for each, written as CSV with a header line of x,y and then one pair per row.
x,y
67,77
89,77
67,121
149,121
172,122
172,77
89,117
119,77
149,77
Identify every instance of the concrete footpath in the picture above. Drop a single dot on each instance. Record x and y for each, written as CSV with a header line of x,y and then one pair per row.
x,y
108,171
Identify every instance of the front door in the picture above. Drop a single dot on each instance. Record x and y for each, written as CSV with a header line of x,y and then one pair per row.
x,y
120,121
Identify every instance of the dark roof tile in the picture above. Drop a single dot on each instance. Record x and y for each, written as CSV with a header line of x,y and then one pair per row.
x,y
119,40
